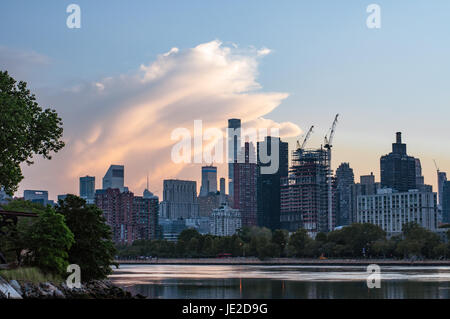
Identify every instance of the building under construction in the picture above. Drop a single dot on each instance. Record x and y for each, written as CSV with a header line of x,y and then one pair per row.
x,y
305,193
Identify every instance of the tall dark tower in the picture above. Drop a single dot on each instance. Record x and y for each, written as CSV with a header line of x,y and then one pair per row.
x,y
344,179
268,185
397,169
234,145
244,183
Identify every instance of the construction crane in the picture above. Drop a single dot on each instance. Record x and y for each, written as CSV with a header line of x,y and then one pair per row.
x,y
328,145
435,164
329,140
441,177
300,147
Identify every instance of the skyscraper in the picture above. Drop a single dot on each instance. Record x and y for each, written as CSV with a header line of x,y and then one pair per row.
x,y
87,188
446,202
234,145
420,180
304,194
244,183
344,179
398,170
146,214
114,177
442,178
268,185
179,199
222,186
209,180
36,196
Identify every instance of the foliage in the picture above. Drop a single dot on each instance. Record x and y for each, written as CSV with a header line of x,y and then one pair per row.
x,y
353,241
49,240
29,274
93,249
298,241
42,242
418,242
27,130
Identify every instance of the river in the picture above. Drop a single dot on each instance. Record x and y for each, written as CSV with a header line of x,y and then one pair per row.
x,y
263,281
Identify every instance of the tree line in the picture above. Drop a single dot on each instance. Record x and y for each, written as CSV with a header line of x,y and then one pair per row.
x,y
354,241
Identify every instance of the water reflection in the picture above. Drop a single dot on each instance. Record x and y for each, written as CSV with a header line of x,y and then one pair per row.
x,y
224,282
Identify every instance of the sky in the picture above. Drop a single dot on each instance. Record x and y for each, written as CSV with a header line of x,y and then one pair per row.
x,y
137,70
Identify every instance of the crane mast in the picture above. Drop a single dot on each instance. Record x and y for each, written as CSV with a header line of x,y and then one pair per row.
x,y
328,145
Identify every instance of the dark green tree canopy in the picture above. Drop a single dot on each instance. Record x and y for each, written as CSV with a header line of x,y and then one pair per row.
x,y
93,249
43,242
25,130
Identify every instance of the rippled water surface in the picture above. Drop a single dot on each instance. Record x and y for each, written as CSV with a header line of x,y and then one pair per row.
x,y
221,281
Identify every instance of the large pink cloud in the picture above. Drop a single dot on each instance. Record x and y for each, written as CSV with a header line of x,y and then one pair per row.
x,y
129,119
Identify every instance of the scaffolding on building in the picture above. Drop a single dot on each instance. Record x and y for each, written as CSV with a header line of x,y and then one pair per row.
x,y
305,191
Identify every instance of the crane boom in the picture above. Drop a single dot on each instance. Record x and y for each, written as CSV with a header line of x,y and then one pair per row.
x,y
329,140
307,137
435,164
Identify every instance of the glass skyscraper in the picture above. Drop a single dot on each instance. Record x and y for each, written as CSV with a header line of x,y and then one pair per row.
x,y
398,170
87,187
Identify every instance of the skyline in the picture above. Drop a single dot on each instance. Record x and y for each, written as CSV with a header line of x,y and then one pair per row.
x,y
308,63
218,178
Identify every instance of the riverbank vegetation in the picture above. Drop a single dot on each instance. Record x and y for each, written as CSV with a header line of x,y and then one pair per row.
x,y
72,233
29,274
354,241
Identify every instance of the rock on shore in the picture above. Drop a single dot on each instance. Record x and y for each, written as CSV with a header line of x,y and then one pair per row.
x,y
97,289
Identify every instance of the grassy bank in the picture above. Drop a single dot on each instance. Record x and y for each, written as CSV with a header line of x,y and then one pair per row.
x,y
28,274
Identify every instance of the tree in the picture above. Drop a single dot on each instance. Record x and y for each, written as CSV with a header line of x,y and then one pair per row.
x,y
298,241
354,239
43,242
280,239
417,241
26,130
187,234
14,237
49,241
93,249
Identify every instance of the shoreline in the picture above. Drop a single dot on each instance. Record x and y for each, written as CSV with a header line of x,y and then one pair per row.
x,y
239,261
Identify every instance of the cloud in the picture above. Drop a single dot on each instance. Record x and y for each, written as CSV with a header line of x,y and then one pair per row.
x,y
129,119
20,63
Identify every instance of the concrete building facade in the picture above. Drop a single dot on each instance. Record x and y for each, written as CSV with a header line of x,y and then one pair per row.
x,y
391,210
225,221
179,199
